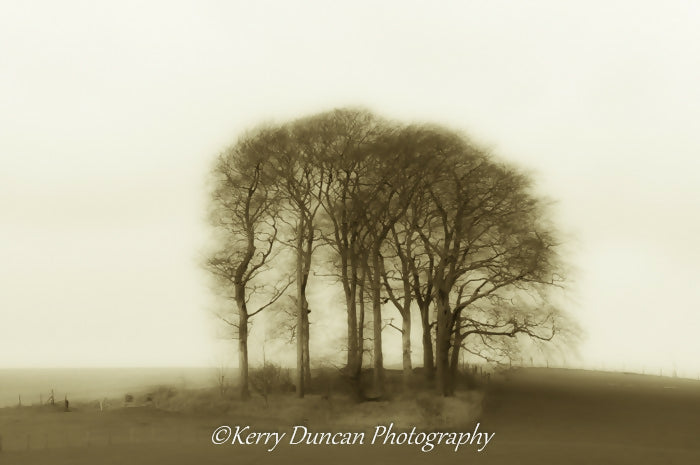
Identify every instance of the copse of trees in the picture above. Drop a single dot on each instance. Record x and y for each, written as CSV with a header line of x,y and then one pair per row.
x,y
415,215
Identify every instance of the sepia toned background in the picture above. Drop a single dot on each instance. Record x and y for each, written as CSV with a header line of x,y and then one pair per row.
x,y
111,117
111,114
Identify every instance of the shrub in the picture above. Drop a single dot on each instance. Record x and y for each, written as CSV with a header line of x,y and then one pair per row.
x,y
268,379
161,396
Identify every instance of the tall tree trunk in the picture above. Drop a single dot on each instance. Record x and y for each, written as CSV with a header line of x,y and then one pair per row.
x,y
378,358
442,344
307,360
300,388
243,350
361,326
428,355
350,288
406,345
454,359
307,251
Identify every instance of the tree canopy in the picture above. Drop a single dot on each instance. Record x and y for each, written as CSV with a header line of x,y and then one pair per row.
x,y
415,215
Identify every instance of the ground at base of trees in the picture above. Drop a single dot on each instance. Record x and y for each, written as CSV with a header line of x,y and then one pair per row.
x,y
538,415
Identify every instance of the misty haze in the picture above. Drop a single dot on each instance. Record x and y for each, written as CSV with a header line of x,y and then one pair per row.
x,y
301,232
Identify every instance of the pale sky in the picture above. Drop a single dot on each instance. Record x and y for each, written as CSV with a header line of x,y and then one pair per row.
x,y
112,112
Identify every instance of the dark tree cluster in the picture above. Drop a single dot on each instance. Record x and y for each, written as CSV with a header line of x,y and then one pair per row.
x,y
412,215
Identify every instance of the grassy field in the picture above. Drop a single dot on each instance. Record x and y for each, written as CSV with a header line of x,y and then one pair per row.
x,y
539,416
575,416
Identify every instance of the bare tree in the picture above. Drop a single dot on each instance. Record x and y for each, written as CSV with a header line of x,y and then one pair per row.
x,y
244,211
300,180
408,279
488,237
387,191
402,300
344,138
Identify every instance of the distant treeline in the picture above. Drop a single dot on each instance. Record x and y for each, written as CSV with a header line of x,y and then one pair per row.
x,y
416,215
